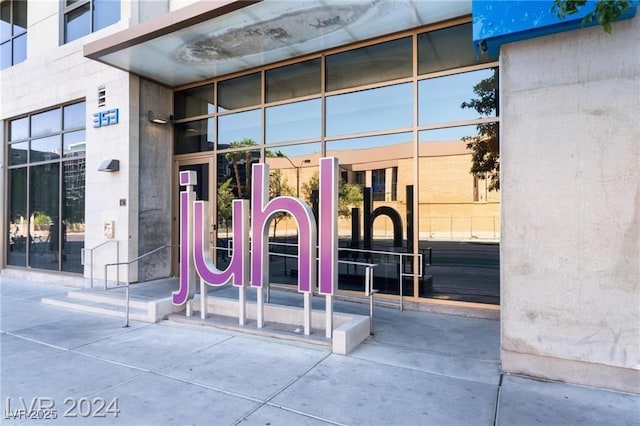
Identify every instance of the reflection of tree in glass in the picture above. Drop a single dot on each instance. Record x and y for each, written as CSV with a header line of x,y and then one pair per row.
x,y
485,146
349,194
278,186
223,201
242,190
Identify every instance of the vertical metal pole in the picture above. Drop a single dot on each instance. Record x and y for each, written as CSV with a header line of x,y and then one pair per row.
x,y
118,261
328,316
259,308
401,281
91,266
203,299
242,305
307,313
126,314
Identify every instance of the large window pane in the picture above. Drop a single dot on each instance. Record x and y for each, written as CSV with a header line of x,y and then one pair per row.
x,y
19,17
74,144
105,13
46,123
44,199
447,49
194,136
379,165
293,81
77,23
72,225
18,223
234,172
239,92
5,21
371,64
45,149
19,129
300,120
193,102
384,108
465,96
5,55
18,153
74,116
239,127
19,49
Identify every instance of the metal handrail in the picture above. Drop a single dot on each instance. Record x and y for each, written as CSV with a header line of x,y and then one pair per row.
x,y
90,250
128,285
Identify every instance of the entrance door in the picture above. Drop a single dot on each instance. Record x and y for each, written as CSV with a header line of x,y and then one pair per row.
x,y
204,191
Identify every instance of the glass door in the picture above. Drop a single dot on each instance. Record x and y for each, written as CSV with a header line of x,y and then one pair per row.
x,y
204,191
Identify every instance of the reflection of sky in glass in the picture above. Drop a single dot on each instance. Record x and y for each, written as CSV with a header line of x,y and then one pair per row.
x,y
239,126
300,120
294,151
376,109
440,99
45,123
74,143
77,23
447,135
369,142
43,148
19,49
105,13
19,129
74,116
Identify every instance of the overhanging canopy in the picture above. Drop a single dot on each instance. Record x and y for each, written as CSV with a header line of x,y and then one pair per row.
x,y
212,38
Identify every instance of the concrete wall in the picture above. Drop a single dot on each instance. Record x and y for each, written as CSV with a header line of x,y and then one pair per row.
x,y
156,149
571,207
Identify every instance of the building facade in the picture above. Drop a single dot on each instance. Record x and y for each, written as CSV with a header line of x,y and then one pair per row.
x,y
105,102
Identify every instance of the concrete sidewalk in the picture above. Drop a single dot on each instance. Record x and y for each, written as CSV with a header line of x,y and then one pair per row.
x,y
419,368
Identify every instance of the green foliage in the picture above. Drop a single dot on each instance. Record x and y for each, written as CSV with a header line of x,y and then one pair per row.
x,y
349,194
225,196
278,186
485,146
41,220
604,12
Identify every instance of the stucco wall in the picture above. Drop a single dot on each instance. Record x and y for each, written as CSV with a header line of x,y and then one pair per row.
x,y
570,158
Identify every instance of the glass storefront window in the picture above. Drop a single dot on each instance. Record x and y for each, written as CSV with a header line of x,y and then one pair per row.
x,y
19,129
74,116
446,49
296,121
74,143
457,97
45,149
194,136
368,65
292,81
44,220
46,201
46,123
238,127
384,108
193,102
18,219
239,92
18,153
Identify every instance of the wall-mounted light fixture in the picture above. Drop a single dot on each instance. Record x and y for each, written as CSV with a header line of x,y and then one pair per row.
x,y
109,166
157,118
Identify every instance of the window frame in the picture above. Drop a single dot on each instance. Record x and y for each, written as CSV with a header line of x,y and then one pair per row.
x,y
66,9
13,37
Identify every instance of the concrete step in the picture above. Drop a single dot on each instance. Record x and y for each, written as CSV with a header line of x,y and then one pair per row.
x,y
97,307
110,297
